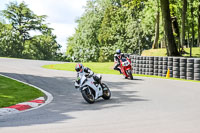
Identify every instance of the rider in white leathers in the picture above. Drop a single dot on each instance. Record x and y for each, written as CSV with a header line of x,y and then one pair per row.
x,y
81,70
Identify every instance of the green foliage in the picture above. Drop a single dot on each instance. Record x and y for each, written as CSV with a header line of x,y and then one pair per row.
x,y
23,19
15,38
41,47
106,26
8,37
125,24
84,45
176,10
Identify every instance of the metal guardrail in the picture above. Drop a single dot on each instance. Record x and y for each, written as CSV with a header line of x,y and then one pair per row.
x,y
179,67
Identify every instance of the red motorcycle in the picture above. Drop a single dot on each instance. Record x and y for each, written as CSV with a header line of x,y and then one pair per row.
x,y
126,68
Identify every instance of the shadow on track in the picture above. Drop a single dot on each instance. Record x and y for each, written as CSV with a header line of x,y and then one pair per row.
x,y
66,99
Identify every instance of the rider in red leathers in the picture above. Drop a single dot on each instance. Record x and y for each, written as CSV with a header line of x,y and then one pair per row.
x,y
117,57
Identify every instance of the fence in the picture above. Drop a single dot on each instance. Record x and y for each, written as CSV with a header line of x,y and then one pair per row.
x,y
180,67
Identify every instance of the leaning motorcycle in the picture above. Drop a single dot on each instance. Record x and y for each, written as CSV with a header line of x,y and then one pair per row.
x,y
91,90
126,68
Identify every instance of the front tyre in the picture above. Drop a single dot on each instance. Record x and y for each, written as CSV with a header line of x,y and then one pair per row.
x,y
130,74
106,92
88,96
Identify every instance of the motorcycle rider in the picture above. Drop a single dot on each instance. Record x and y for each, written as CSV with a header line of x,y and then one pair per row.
x,y
117,57
80,69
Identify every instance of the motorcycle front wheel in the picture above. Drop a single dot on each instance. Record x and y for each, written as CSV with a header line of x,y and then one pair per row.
x,y
130,74
88,96
106,92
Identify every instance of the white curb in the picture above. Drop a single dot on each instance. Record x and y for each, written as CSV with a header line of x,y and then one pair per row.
x,y
4,111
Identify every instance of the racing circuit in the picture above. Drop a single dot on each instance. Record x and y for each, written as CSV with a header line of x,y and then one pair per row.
x,y
142,105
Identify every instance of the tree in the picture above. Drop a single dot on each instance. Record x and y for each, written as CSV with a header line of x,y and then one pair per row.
x,y
15,40
23,19
43,47
8,37
155,43
172,49
183,22
105,26
198,25
193,34
131,25
84,44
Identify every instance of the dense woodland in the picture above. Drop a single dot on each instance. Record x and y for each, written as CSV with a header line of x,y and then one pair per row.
x,y
106,25
15,37
133,26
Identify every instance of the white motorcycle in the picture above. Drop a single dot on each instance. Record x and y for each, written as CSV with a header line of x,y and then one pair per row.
x,y
91,90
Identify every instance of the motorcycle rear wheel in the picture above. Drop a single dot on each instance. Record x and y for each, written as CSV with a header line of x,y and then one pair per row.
x,y
106,92
88,96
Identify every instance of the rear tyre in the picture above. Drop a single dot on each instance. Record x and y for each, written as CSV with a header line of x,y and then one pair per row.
x,y
130,74
106,92
88,96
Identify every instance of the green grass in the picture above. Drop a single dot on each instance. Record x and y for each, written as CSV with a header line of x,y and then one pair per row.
x,y
102,68
154,52
163,52
13,92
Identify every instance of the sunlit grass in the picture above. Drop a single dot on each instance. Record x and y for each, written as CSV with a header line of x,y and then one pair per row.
x,y
154,52
102,68
13,92
163,52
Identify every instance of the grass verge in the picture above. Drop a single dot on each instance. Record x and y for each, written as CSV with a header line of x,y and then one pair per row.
x,y
102,68
13,92
163,52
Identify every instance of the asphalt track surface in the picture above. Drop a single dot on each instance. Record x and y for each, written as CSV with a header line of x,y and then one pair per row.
x,y
142,105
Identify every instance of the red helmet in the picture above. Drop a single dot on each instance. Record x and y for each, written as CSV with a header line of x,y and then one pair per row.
x,y
79,67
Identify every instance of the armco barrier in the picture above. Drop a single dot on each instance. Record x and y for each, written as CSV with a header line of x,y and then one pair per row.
x,y
179,67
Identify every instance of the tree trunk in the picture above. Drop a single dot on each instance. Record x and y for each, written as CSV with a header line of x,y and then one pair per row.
x,y
198,44
155,43
188,31
183,23
188,40
175,29
192,15
166,45
168,28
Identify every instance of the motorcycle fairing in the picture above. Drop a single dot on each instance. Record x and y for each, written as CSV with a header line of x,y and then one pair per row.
x,y
90,82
